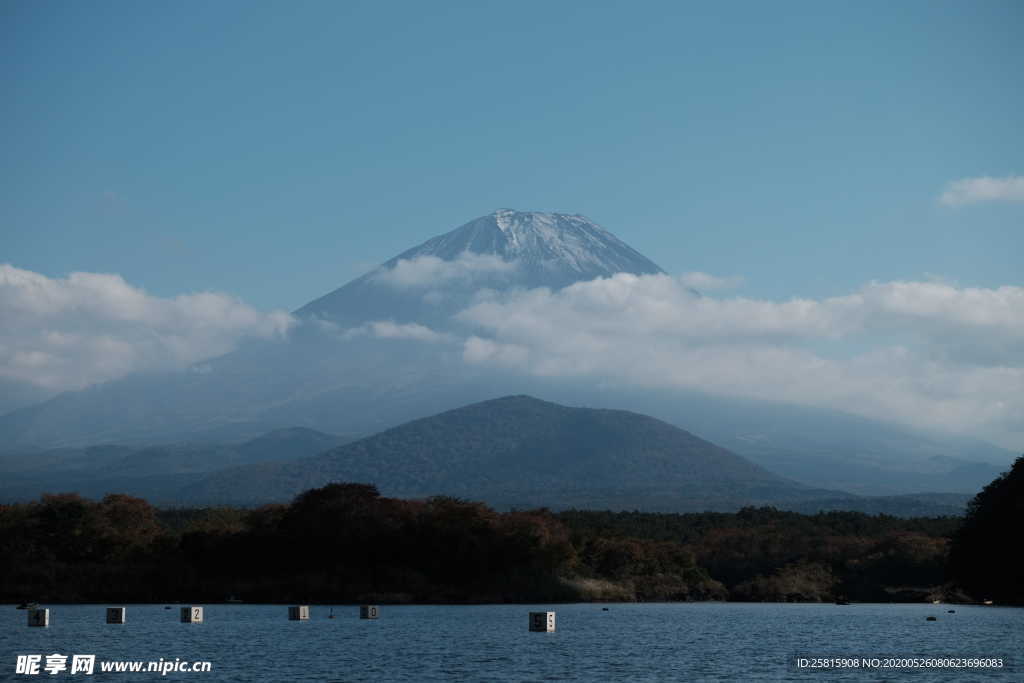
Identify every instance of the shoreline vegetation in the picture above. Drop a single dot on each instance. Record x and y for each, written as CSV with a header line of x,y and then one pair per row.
x,y
345,543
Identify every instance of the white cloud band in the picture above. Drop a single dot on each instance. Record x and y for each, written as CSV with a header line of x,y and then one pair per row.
x,y
388,329
66,333
432,271
924,353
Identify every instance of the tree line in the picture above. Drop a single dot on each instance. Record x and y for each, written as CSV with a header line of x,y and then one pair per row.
x,y
346,543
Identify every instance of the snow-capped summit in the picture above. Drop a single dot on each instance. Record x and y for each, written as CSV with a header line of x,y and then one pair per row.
x,y
518,248
553,249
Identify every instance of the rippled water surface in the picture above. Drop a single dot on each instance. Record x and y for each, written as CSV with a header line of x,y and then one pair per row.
x,y
628,642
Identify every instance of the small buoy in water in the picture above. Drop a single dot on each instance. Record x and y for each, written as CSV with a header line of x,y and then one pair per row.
x,y
331,615
542,621
931,618
192,615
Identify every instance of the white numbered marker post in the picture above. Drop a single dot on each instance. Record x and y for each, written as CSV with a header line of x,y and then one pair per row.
x,y
192,615
298,613
115,615
542,621
369,612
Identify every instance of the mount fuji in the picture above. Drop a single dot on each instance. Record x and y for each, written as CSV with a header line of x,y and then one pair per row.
x,y
386,348
502,250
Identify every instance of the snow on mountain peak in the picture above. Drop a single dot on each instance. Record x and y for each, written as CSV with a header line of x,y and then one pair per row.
x,y
569,245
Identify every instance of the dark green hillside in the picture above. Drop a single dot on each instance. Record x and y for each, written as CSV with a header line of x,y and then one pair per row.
x,y
519,451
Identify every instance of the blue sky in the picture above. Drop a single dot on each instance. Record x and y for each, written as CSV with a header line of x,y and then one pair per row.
x,y
206,167
275,150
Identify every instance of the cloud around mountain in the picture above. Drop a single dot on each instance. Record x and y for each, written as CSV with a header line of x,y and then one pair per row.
x,y
928,354
924,353
387,329
431,271
67,333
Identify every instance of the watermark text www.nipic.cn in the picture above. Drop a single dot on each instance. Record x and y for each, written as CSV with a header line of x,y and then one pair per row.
x,y
31,665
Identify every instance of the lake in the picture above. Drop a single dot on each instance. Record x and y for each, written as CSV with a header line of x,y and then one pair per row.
x,y
628,642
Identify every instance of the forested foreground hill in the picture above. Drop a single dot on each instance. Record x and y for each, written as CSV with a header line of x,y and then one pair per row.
x,y
345,542
521,452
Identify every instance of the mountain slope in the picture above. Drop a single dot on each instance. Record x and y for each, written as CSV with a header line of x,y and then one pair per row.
x,y
520,451
819,447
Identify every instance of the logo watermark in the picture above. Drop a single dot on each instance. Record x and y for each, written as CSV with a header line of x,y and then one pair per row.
x,y
56,663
